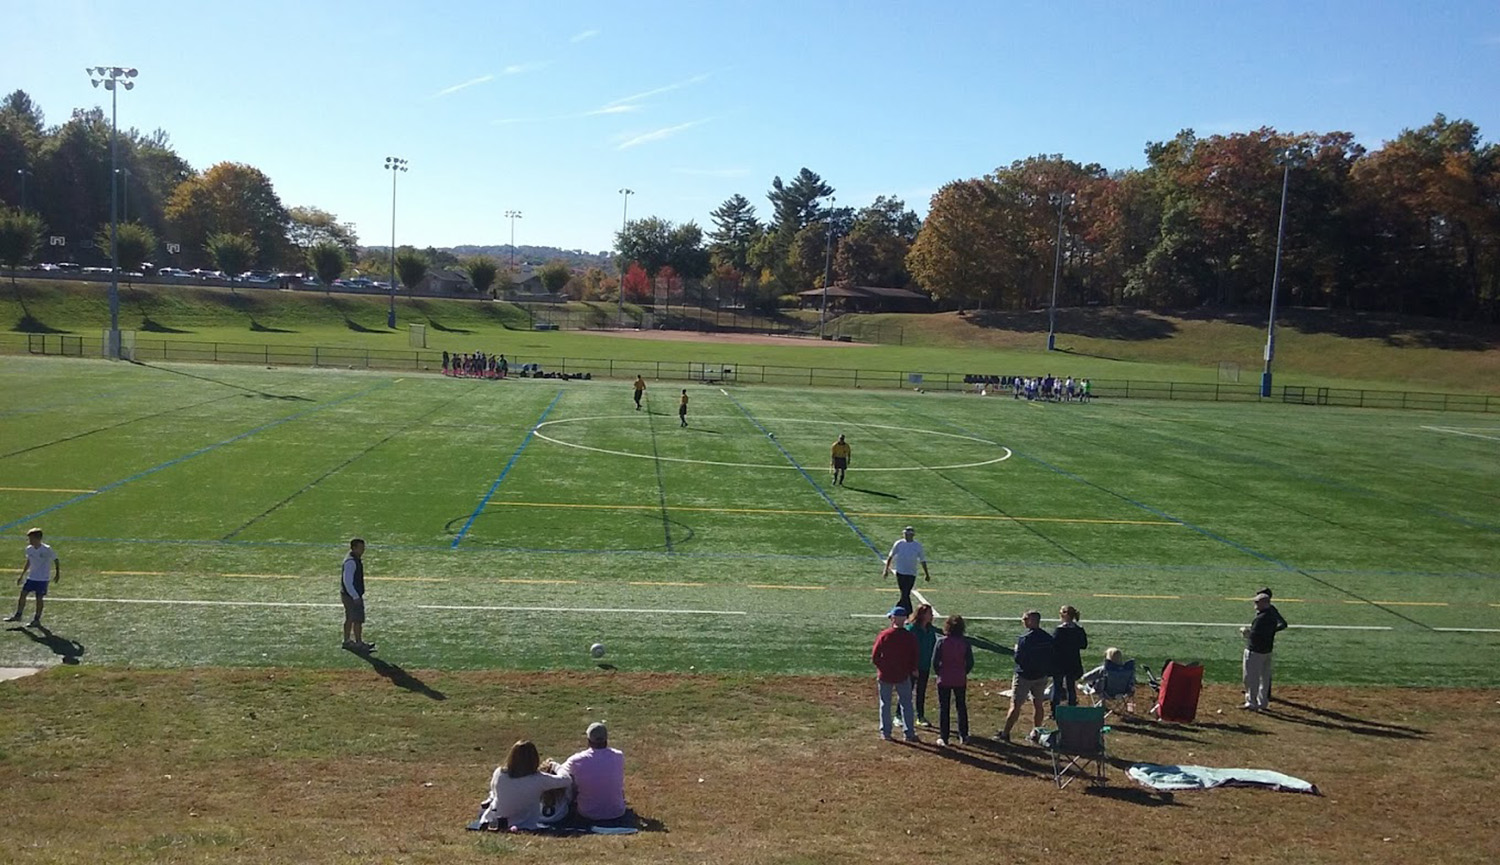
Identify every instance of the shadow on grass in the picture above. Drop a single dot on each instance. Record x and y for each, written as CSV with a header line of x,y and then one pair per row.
x,y
437,325
250,390
1135,796
359,328
69,650
1328,719
29,323
873,493
399,676
1097,323
984,757
257,327
1154,731
989,645
151,325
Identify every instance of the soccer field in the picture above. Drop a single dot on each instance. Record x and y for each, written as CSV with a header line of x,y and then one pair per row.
x,y
201,514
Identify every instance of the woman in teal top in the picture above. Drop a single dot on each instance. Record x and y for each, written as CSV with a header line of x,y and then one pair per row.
x,y
927,635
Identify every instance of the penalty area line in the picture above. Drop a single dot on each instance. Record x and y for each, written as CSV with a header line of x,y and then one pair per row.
x,y
631,611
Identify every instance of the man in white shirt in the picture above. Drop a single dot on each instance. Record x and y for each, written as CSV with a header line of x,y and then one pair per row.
x,y
905,555
42,566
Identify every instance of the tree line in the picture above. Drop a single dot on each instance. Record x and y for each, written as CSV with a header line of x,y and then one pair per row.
x,y
1413,227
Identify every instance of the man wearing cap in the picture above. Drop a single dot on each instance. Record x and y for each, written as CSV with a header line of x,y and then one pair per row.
x,y
906,554
1260,638
598,774
895,659
42,566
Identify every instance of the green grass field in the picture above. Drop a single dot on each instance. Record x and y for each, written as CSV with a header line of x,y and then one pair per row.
x,y
200,513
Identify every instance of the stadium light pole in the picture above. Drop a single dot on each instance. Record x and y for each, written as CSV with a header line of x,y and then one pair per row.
x,y
827,269
513,215
23,173
112,78
1062,200
124,194
395,165
624,221
1288,159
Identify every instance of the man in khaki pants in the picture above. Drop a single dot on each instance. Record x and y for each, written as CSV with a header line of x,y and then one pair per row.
x,y
1260,639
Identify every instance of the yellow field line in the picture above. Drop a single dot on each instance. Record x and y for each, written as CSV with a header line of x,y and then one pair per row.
x,y
136,573
1144,597
410,579
812,588
42,490
268,576
1403,603
650,583
1277,600
1010,592
540,582
817,513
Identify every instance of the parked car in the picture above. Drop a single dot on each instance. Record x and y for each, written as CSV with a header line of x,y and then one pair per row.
x,y
202,273
46,267
172,273
257,277
360,282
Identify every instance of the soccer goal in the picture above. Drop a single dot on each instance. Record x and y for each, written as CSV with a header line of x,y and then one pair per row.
x,y
416,335
1229,371
126,348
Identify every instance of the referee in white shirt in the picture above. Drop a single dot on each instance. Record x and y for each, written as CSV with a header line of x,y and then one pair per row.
x,y
906,554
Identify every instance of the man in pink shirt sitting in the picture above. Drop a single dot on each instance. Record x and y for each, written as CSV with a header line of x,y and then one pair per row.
x,y
598,774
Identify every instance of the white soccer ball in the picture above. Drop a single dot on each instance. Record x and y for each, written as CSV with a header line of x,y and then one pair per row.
x,y
597,650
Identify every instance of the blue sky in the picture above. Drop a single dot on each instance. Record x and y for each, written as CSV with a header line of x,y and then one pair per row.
x,y
550,108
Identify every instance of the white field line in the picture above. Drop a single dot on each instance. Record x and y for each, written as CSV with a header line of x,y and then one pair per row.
x,y
1016,619
922,600
1470,630
638,612
1459,432
207,603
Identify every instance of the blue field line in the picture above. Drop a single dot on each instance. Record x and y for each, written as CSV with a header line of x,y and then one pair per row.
x,y
530,434
809,478
185,457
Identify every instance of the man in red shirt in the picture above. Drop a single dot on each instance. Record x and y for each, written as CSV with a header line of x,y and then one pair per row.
x,y
895,659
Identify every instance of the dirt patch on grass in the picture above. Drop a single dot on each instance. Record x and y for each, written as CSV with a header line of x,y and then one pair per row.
x,y
740,338
309,766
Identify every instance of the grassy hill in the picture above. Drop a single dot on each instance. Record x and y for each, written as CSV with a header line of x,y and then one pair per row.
x,y
1314,347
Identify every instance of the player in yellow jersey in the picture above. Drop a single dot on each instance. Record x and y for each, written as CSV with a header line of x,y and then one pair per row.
x,y
640,388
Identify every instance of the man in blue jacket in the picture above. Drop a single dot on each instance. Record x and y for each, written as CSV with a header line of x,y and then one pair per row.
x,y
1034,668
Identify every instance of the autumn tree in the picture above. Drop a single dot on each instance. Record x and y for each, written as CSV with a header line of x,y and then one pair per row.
x,y
635,284
230,198
309,226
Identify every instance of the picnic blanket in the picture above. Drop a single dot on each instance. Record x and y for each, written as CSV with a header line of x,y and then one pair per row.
x,y
1160,777
630,826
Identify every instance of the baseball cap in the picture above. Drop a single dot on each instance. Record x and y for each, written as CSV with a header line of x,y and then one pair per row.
x,y
33,531
597,733
911,529
1262,597
897,611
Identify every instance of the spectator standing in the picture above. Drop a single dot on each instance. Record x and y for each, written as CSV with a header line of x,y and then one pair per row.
x,y
1069,639
1260,640
1034,667
1277,613
682,408
352,593
927,635
906,553
598,775
895,657
42,567
953,661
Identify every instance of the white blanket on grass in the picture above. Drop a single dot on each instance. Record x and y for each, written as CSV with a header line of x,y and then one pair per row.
x,y
1160,777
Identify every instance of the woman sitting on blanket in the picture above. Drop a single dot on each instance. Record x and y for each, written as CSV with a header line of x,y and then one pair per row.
x,y
522,792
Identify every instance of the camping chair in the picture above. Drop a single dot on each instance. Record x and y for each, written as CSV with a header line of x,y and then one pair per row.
x,y
1113,686
1077,746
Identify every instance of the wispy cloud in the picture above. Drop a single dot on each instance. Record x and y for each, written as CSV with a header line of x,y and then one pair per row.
x,y
457,87
636,97
520,68
1490,40
610,109
587,34
713,172
657,134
